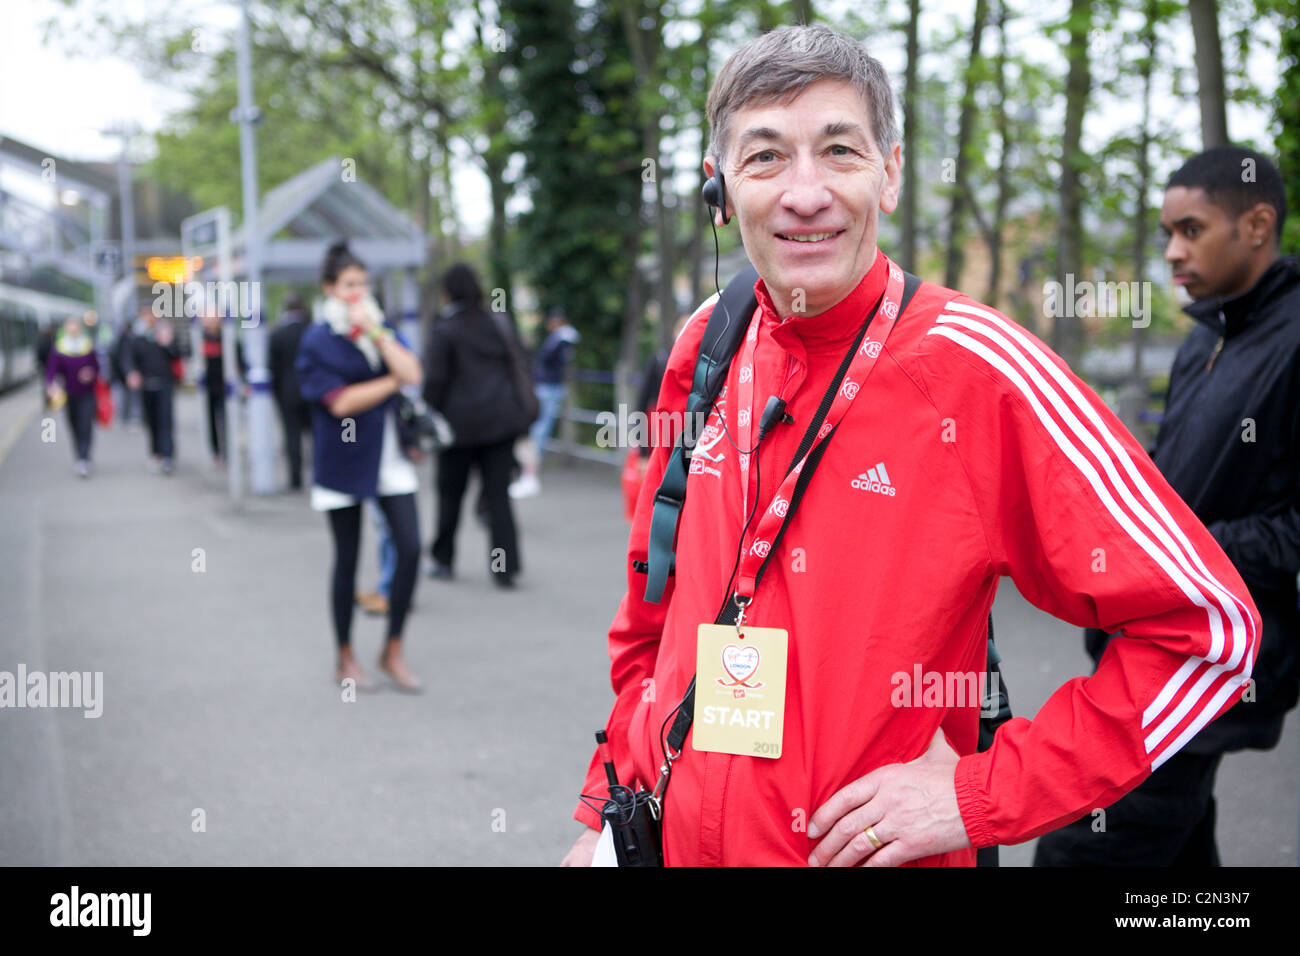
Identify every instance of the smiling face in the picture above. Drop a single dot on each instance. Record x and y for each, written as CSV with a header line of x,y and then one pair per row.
x,y
807,182
1212,253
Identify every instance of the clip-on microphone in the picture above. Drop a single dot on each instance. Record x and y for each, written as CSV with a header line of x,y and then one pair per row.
x,y
773,414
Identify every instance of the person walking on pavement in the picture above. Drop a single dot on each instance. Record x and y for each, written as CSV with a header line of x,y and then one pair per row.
x,y
295,414
375,603
150,371
1227,445
469,378
44,346
128,399
550,371
70,375
214,380
350,368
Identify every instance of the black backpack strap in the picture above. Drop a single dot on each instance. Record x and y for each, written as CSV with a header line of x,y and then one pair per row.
x,y
995,696
727,324
995,693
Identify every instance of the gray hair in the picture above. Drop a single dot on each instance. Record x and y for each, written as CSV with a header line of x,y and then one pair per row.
x,y
779,65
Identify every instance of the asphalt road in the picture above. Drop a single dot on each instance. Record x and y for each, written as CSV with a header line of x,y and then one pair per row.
x,y
223,739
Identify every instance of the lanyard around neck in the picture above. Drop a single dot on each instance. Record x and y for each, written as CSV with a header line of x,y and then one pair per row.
x,y
844,388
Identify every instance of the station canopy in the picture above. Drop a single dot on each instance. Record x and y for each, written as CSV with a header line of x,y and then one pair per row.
x,y
300,218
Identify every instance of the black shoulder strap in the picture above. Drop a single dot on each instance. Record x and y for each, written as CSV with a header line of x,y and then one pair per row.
x,y
727,324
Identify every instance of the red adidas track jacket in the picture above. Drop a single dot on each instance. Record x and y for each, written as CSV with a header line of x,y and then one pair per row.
x,y
972,452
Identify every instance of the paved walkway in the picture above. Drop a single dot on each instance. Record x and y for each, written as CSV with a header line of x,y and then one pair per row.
x,y
218,704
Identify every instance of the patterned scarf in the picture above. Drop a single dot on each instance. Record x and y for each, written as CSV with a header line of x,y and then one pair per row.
x,y
335,313
75,344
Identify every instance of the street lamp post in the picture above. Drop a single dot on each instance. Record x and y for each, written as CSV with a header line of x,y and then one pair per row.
x,y
261,448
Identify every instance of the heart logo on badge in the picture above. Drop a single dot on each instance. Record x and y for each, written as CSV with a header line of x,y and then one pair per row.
x,y
740,663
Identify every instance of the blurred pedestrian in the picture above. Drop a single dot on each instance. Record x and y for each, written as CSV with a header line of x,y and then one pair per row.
x,y
470,366
350,368
550,374
70,375
44,346
214,379
376,602
128,399
151,363
295,414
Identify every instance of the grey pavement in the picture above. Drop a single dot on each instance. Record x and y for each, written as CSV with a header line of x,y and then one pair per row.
x,y
218,704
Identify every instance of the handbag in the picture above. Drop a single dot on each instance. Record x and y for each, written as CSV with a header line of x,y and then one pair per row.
x,y
425,422
523,380
103,403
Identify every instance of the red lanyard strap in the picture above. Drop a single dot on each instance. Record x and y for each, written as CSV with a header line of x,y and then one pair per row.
x,y
809,458
844,387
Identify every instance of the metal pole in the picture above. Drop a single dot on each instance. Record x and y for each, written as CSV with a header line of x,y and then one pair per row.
x,y
261,445
229,363
127,200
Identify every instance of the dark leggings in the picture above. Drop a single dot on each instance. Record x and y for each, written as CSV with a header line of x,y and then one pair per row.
x,y
216,422
404,525
158,413
81,416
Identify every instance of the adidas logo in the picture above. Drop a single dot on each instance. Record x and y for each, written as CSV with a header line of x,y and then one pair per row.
x,y
875,479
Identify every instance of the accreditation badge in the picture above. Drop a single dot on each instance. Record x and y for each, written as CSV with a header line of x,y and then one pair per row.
x,y
740,690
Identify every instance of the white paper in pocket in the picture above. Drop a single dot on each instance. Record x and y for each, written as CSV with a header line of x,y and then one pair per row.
x,y
605,855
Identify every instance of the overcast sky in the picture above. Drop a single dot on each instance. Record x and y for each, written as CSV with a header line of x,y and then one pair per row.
x,y
63,103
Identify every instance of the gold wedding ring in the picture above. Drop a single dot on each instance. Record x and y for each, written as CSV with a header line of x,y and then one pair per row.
x,y
875,840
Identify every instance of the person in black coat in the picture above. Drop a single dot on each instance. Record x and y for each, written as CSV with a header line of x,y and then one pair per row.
x,y
150,365
1229,444
214,377
469,378
295,414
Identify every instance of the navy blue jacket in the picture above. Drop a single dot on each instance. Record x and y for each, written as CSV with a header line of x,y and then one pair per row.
x,y
554,354
344,459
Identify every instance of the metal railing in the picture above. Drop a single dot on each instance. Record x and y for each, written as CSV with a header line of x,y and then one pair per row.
x,y
579,418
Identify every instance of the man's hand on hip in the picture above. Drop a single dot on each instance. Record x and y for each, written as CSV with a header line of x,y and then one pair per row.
x,y
911,809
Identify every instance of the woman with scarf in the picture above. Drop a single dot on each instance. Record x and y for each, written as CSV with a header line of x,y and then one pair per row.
x,y
75,366
350,368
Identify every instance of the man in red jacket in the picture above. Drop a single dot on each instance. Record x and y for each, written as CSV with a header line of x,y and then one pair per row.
x,y
969,453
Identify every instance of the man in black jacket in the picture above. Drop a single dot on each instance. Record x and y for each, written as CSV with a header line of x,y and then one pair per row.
x,y
149,370
295,414
1229,444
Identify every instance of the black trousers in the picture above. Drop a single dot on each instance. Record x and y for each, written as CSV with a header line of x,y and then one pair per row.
x,y
295,418
158,415
1167,820
493,463
81,419
217,422
345,525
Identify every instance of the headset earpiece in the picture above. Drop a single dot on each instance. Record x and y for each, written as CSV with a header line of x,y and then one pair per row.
x,y
715,194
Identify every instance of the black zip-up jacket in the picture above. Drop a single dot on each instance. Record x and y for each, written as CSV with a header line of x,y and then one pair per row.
x,y
1229,444
469,377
